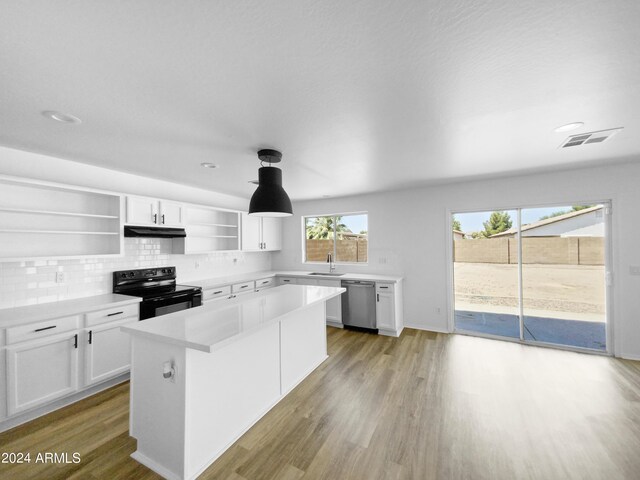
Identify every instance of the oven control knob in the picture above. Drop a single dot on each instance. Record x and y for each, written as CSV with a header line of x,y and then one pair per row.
x,y
132,274
164,270
123,275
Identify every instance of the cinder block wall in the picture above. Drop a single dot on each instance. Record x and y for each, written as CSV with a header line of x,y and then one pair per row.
x,y
351,250
535,250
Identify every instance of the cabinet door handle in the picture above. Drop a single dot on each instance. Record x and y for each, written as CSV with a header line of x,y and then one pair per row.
x,y
45,328
163,218
112,314
265,245
90,337
378,295
155,218
75,341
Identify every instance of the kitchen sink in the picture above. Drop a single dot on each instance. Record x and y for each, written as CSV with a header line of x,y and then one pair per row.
x,y
327,274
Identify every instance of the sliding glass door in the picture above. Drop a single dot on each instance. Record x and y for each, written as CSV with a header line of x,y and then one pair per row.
x,y
533,274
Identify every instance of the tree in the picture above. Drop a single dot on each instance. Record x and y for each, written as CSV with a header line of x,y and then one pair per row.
x,y
322,228
456,224
498,222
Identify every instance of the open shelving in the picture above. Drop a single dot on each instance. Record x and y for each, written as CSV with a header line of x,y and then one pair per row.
x,y
209,230
39,220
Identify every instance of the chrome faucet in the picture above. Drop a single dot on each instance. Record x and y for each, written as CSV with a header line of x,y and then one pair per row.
x,y
332,266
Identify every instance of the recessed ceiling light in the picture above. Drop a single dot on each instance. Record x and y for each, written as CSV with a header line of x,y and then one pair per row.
x,y
568,127
208,165
61,117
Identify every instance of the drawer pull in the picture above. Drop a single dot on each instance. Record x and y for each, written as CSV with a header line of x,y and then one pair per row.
x,y
216,293
112,314
244,286
45,328
383,287
266,281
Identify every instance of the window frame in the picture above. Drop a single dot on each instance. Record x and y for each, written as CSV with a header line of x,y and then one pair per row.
x,y
335,261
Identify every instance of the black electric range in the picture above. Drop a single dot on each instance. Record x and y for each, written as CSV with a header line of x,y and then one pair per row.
x,y
158,289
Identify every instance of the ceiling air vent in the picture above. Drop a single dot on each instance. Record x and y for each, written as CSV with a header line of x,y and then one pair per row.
x,y
592,137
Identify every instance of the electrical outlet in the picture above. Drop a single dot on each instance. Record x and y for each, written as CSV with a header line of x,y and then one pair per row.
x,y
382,260
59,277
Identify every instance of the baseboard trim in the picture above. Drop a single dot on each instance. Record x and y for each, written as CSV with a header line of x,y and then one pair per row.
x,y
427,329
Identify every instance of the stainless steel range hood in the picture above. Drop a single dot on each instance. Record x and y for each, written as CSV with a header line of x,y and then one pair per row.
x,y
154,232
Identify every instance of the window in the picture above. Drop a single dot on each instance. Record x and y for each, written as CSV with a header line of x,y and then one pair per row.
x,y
345,236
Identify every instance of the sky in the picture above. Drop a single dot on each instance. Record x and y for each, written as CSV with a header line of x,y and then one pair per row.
x,y
355,223
472,222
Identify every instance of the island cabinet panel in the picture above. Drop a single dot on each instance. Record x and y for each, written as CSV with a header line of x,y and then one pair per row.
x,y
222,408
158,407
201,379
303,345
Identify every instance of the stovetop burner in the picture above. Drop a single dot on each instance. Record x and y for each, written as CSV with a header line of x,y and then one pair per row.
x,y
150,283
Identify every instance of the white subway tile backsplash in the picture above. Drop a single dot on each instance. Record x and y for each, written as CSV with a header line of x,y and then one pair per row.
x,y
28,283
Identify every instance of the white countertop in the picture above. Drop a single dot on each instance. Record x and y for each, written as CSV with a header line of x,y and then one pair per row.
x,y
246,277
44,311
346,276
215,325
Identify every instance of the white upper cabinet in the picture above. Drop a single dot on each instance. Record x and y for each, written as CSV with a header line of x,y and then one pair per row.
x,y
251,233
150,211
261,233
171,214
142,211
271,233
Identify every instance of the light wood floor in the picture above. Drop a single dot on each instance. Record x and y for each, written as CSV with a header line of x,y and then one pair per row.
x,y
425,406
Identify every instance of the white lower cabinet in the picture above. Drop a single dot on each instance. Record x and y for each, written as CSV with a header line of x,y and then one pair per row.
x,y
389,308
107,351
40,371
264,283
51,359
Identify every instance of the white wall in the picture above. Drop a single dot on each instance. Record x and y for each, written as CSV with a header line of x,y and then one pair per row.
x,y
408,234
30,282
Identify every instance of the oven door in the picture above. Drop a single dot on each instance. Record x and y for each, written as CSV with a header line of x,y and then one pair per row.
x,y
154,307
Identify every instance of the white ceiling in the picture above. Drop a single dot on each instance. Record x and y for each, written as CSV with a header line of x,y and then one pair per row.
x,y
359,95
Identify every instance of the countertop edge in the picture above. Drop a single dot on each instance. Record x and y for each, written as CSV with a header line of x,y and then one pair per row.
x,y
74,306
132,330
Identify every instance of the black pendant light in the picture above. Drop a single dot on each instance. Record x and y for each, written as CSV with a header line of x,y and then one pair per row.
x,y
270,199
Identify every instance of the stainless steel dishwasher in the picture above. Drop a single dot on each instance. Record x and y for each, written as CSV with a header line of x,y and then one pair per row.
x,y
359,304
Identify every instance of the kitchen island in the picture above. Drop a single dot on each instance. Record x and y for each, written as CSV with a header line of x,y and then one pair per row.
x,y
202,377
